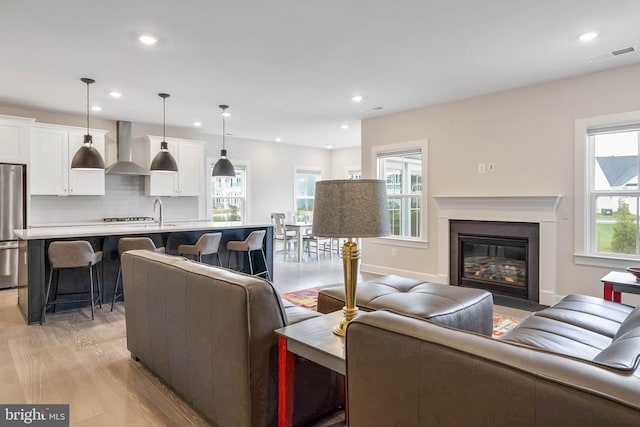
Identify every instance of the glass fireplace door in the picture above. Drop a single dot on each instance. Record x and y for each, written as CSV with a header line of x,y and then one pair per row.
x,y
494,262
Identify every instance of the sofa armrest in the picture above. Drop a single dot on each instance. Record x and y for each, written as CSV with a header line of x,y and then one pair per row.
x,y
408,371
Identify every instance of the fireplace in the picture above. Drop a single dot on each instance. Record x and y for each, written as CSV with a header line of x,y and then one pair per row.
x,y
501,257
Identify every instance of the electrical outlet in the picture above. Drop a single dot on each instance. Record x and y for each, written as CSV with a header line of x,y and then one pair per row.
x,y
394,251
482,168
491,167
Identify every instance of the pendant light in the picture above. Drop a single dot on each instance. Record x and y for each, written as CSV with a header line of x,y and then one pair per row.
x,y
223,167
87,157
164,161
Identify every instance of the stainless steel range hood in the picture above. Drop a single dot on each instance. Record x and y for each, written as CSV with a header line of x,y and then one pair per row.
x,y
125,165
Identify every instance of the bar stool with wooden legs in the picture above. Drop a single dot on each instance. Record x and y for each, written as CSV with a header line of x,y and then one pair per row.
x,y
207,244
68,255
253,242
130,244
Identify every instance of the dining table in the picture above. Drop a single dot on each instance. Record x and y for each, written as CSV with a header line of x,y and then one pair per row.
x,y
301,229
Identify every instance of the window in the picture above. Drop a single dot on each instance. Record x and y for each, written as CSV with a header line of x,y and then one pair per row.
x,y
612,190
354,173
305,191
229,196
402,172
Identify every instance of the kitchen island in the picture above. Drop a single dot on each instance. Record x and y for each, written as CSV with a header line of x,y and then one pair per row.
x,y
33,270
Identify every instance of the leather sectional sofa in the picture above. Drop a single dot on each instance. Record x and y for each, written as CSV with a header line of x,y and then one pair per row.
x,y
208,333
573,364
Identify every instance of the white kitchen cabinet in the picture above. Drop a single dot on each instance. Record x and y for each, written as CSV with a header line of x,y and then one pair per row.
x,y
14,139
52,149
188,181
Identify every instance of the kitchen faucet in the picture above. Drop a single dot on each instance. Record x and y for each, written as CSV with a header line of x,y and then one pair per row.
x,y
155,203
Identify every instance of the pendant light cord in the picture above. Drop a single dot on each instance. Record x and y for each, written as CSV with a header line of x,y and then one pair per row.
x,y
164,103
87,108
223,131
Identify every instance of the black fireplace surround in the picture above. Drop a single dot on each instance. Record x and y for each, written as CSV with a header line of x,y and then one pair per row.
x,y
501,257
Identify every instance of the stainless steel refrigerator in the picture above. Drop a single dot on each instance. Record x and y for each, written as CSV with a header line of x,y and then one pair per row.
x,y
12,216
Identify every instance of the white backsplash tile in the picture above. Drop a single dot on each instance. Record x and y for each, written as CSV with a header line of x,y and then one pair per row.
x,y
124,197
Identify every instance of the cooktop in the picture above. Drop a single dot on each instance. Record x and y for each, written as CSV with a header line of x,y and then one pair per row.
x,y
128,219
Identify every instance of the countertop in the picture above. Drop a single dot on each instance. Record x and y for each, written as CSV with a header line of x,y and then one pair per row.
x,y
111,229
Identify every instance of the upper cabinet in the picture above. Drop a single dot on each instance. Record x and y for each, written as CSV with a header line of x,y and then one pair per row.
x,y
189,155
14,139
52,149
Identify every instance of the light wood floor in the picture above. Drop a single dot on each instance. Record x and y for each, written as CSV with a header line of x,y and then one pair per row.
x,y
72,359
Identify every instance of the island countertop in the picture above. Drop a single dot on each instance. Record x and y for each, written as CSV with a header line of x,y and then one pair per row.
x,y
111,229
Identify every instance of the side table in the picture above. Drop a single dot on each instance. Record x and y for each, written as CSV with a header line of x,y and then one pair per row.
x,y
616,282
313,340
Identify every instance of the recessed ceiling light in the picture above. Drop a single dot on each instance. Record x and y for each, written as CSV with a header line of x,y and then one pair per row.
x,y
357,98
148,39
344,127
226,114
197,124
115,94
329,146
96,108
587,37
278,139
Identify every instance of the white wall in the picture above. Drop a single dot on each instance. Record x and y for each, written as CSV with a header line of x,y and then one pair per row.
x,y
271,179
528,133
344,159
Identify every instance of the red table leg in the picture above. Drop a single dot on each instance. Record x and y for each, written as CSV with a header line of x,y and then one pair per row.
x,y
617,296
286,361
610,294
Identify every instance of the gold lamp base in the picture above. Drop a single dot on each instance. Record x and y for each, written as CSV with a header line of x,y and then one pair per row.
x,y
350,262
349,315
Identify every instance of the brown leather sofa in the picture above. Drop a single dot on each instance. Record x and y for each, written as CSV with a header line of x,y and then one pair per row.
x,y
574,364
208,333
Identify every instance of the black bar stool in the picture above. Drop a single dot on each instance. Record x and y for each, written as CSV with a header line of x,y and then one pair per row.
x,y
67,255
207,244
130,244
253,242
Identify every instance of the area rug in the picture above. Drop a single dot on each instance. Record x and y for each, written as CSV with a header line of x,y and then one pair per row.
x,y
309,298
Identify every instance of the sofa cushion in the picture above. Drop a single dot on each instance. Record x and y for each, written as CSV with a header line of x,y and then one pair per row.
x,y
455,306
631,322
623,353
591,313
558,337
296,313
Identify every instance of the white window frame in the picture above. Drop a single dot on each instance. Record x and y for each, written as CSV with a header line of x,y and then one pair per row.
x,y
302,169
245,164
421,145
352,170
584,207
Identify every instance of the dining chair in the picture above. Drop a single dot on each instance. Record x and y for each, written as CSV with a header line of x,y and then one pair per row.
x,y
287,237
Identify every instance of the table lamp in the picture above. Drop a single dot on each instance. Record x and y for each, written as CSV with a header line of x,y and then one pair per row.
x,y
351,209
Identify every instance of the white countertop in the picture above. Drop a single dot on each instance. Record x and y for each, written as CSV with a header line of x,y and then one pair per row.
x,y
111,229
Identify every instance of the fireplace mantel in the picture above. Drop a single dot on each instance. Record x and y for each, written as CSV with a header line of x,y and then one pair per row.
x,y
541,209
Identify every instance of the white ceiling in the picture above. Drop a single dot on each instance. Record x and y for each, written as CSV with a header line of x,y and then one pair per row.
x,y
288,68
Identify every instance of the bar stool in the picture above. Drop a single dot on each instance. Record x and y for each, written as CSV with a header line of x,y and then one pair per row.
x,y
130,244
253,242
68,255
207,244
